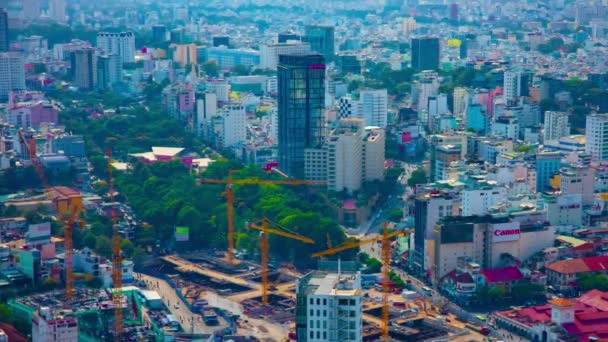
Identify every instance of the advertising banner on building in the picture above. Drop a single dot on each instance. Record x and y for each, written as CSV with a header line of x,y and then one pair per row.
x,y
504,232
182,233
39,230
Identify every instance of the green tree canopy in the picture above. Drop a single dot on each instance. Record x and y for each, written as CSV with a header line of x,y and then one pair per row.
x,y
417,177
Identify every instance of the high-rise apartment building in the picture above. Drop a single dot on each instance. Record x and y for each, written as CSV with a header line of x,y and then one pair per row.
x,y
118,43
57,10
374,107
556,126
321,39
234,122
3,30
269,53
109,71
82,68
329,307
50,326
425,53
461,98
301,103
516,84
12,73
596,135
428,209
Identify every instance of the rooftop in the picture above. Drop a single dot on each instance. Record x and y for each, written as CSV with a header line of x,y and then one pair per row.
x,y
581,265
502,275
590,315
333,284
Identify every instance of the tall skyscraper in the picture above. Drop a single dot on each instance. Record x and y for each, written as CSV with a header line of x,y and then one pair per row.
x,y
57,10
425,53
301,102
109,71
118,43
12,73
516,84
596,135
374,106
3,30
82,64
321,39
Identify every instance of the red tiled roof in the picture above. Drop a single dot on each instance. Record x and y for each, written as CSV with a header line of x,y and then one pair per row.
x,y
581,265
502,275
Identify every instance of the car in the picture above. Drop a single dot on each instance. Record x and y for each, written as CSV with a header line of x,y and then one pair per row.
x,y
176,306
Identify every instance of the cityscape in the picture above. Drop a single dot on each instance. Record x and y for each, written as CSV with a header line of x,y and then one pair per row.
x,y
304,170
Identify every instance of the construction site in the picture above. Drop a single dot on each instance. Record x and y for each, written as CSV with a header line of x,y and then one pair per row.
x,y
203,278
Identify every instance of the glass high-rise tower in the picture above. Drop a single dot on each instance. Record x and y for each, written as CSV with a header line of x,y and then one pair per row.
x,y
301,97
425,53
321,40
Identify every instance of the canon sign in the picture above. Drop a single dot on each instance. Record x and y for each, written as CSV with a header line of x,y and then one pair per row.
x,y
504,232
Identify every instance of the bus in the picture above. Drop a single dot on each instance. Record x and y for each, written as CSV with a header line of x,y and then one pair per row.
x,y
427,290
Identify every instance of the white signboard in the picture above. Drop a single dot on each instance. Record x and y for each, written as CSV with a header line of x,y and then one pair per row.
x,y
39,230
503,232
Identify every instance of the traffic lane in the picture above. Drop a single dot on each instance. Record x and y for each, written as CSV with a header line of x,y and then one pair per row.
x,y
191,322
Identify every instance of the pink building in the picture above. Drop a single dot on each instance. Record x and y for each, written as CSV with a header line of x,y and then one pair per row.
x,y
30,109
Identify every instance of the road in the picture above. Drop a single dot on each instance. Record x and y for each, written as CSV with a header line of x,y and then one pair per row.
x,y
191,322
260,328
395,200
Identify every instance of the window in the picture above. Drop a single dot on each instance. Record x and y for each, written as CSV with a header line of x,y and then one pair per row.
x,y
318,313
324,313
324,301
324,335
312,301
318,324
352,313
312,312
352,302
318,334
318,301
312,334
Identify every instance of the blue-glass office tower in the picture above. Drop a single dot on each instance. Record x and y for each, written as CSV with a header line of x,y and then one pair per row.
x,y
301,97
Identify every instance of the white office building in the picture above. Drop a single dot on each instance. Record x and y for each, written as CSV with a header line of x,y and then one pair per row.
x,y
556,126
354,155
374,107
49,326
479,201
219,87
269,53
515,84
596,136
234,120
329,307
118,43
12,73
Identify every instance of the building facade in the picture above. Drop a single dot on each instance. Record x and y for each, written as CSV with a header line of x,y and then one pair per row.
x,y
118,43
321,40
329,307
301,103
556,126
596,135
425,53
12,73
269,53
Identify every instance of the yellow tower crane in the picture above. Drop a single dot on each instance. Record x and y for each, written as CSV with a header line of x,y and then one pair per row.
x,y
230,182
386,258
264,227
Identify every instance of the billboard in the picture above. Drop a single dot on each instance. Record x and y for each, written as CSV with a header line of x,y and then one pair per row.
x,y
182,233
503,232
39,230
457,232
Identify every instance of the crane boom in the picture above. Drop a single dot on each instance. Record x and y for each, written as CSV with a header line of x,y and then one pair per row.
x,y
230,199
265,229
386,258
350,245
